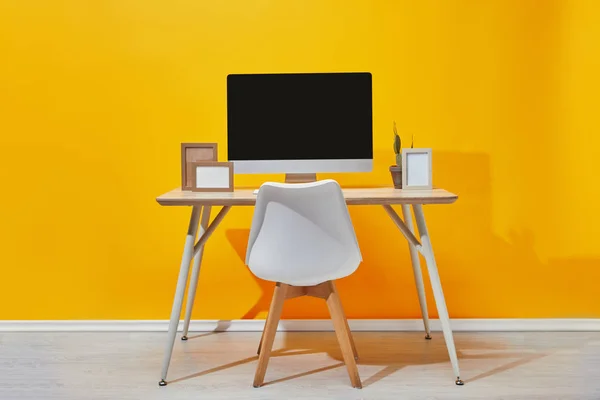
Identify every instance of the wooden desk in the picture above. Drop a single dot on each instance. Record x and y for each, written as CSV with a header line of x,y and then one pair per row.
x,y
353,196
202,203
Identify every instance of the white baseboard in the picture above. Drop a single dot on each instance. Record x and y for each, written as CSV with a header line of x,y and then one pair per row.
x,y
383,325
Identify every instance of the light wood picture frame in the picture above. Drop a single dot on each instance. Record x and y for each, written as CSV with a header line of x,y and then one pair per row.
x,y
212,176
194,152
416,169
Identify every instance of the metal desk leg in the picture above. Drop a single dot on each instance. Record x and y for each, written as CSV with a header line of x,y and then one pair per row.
x,y
436,285
184,268
416,265
204,220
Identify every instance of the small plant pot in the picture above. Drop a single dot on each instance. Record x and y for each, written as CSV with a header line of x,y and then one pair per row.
x,y
396,172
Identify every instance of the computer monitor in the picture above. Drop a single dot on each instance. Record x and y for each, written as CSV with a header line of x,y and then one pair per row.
x,y
300,123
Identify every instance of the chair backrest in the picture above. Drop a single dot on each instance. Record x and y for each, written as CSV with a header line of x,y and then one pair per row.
x,y
302,230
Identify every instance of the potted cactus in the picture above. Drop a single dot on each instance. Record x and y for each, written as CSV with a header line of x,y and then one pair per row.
x,y
396,170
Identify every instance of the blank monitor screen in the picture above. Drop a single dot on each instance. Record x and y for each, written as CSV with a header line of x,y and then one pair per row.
x,y
312,116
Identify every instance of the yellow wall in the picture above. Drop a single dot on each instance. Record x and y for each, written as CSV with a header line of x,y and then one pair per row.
x,y
95,97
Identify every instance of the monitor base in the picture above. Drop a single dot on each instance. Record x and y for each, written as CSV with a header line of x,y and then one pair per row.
x,y
300,178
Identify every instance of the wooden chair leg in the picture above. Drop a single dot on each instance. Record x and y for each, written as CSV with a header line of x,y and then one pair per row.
x,y
343,335
346,323
269,333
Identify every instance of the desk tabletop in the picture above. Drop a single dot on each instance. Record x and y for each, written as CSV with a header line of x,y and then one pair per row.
x,y
353,196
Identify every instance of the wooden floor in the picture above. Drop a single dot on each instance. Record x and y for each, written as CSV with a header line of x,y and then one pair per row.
x,y
120,366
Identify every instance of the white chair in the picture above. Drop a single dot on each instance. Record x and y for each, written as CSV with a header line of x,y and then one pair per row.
x,y
302,238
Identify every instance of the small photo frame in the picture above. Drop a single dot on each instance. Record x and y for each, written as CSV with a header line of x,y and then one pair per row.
x,y
212,176
193,152
416,169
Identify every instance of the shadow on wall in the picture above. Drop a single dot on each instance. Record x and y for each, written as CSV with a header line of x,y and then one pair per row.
x,y
238,238
503,278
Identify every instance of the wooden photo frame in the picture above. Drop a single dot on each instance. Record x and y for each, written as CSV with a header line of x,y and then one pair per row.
x,y
416,169
212,176
194,152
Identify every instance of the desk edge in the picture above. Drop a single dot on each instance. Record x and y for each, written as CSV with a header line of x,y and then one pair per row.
x,y
250,202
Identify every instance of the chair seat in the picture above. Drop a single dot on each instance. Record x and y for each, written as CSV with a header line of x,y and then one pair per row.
x,y
304,270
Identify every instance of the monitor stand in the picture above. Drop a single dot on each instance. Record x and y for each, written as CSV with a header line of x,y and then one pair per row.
x,y
300,178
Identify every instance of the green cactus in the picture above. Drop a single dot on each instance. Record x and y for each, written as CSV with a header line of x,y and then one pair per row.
x,y
397,147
